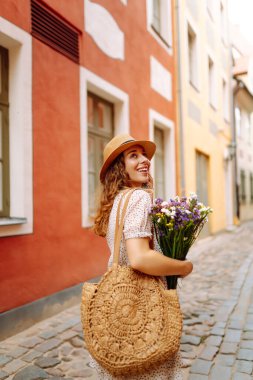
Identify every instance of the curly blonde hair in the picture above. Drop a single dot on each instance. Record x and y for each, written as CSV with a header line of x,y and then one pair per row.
x,y
116,179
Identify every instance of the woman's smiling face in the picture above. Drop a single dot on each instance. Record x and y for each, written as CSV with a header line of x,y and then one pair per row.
x,y
137,165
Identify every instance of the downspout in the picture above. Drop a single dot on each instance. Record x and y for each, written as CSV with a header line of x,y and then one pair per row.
x,y
180,112
238,87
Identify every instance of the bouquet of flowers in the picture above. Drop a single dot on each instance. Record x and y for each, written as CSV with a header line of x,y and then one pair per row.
x,y
177,224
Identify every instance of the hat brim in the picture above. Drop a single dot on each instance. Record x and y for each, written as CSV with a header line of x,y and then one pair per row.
x,y
148,146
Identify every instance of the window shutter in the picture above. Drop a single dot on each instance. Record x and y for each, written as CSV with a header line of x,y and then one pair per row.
x,y
54,31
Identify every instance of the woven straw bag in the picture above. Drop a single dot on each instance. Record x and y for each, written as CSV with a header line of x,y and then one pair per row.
x,y
131,323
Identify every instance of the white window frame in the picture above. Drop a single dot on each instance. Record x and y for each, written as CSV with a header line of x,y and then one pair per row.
x,y
238,121
89,81
210,4
251,128
225,99
161,130
165,39
223,23
247,127
158,120
212,83
19,44
194,81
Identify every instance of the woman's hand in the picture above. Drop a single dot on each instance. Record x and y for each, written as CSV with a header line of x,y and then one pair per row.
x,y
188,268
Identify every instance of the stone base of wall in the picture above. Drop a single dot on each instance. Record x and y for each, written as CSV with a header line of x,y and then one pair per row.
x,y
18,319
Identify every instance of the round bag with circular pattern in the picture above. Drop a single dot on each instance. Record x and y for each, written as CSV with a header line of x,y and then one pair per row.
x,y
131,323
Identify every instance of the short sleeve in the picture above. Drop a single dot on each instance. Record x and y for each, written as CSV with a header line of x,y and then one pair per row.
x,y
137,223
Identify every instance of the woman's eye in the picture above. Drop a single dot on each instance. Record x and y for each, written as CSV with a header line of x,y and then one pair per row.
x,y
133,155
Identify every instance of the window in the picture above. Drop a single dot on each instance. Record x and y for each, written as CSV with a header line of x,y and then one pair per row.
x,y
247,128
156,21
92,85
225,101
4,133
211,82
202,163
192,56
161,19
222,22
251,128
242,186
17,142
210,7
100,131
159,163
238,120
202,177
163,169
251,187
236,53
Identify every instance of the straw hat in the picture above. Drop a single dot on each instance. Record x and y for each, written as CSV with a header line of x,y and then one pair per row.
x,y
118,145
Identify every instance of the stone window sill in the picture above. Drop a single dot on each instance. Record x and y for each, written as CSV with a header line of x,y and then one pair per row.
x,y
10,221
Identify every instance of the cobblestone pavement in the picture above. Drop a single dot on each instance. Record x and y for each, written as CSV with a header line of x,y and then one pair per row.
x,y
217,303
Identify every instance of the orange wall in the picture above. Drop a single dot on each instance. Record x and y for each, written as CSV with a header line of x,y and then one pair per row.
x,y
60,253
17,12
133,74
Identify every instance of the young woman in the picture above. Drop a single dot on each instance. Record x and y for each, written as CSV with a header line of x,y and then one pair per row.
x,y
127,165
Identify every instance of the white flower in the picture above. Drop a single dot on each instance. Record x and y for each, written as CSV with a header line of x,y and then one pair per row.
x,y
193,195
164,203
165,211
188,212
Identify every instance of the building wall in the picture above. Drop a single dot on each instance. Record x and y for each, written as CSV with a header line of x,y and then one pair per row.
x,y
60,250
244,131
242,52
205,129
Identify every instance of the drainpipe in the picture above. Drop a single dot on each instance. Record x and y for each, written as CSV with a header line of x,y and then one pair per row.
x,y
239,86
180,111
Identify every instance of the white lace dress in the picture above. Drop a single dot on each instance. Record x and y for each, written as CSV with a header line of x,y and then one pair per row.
x,y
137,225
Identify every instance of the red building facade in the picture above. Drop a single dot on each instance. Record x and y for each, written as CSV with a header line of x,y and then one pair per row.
x,y
65,102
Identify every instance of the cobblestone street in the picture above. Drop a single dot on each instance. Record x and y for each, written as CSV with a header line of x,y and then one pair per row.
x,y
217,304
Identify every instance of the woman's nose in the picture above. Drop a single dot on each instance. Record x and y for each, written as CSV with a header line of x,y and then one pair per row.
x,y
144,159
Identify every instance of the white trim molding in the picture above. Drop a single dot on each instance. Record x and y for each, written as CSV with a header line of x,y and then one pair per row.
x,y
19,44
167,125
103,28
97,85
160,79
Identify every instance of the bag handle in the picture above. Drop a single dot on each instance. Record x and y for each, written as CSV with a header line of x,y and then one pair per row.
x,y
116,235
119,224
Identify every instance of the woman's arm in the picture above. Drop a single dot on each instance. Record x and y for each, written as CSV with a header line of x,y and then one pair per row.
x,y
148,261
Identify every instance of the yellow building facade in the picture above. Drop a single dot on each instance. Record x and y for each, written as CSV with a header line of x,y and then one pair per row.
x,y
204,107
